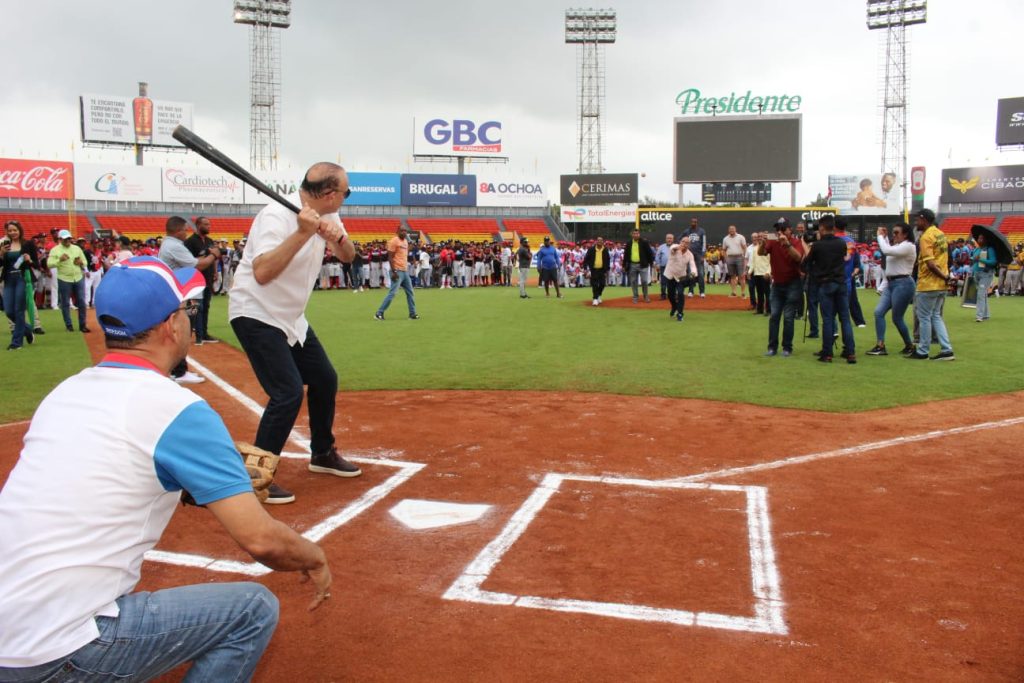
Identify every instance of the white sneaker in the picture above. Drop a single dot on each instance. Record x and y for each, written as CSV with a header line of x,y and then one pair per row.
x,y
599,302
689,295
701,296
595,303
190,378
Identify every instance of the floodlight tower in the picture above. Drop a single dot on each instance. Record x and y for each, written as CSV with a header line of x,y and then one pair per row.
x,y
894,16
264,17
590,30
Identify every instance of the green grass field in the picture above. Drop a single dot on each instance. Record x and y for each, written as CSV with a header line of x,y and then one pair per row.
x,y
487,338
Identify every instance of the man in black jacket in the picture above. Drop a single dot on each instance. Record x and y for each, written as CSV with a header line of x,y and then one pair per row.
x,y
826,265
201,244
636,261
597,261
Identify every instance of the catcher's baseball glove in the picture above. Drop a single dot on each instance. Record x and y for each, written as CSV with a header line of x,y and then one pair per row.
x,y
261,466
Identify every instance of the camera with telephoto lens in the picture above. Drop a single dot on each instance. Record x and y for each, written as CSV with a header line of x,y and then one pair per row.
x,y
811,232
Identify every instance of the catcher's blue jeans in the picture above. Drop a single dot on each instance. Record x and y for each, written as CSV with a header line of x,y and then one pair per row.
x,y
222,628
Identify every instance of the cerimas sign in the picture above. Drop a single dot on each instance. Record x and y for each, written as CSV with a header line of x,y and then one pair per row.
x,y
457,137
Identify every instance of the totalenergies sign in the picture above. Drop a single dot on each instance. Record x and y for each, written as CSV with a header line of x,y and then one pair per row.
x,y
691,101
453,137
35,179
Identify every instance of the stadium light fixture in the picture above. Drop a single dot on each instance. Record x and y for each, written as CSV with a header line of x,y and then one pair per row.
x,y
274,13
883,14
590,26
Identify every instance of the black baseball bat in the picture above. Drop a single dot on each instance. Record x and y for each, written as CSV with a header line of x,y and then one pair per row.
x,y
223,161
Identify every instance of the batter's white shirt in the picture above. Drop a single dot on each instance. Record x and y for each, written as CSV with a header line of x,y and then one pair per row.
x,y
280,303
95,486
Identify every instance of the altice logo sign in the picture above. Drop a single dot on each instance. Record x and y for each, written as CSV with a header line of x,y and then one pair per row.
x,y
690,101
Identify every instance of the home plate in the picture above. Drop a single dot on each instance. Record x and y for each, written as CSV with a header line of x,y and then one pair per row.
x,y
429,514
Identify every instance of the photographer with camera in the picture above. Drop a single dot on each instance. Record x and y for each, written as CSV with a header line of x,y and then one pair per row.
x,y
785,253
826,267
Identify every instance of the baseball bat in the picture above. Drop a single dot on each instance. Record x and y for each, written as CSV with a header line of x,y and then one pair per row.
x,y
223,161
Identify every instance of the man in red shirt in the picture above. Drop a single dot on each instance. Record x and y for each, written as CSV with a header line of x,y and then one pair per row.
x,y
786,252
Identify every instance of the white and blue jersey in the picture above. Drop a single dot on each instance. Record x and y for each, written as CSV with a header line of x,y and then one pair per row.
x,y
104,460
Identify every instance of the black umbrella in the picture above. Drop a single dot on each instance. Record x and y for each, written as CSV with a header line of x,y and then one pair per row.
x,y
996,240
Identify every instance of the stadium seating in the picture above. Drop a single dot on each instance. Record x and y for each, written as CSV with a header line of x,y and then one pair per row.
x,y
229,228
959,227
136,227
36,223
462,229
1013,228
534,229
365,230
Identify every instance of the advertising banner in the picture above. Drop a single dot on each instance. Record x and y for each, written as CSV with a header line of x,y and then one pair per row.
x,y
130,121
201,185
34,179
117,183
594,189
983,184
455,137
617,213
422,189
1010,122
655,223
283,182
374,189
495,191
876,194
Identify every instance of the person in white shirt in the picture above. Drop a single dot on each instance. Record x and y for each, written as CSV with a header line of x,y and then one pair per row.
x,y
735,247
901,258
267,306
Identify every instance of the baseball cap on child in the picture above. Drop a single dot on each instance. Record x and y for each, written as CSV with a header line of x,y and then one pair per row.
x,y
141,292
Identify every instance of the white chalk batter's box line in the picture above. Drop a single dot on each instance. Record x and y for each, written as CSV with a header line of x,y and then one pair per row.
x,y
315,533
768,604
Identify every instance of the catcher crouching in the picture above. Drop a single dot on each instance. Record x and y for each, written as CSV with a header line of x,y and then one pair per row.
x,y
94,488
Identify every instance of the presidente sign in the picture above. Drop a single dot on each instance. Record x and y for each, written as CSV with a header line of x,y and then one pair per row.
x,y
691,101
983,184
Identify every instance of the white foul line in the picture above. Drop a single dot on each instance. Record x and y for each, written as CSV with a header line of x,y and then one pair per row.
x,y
768,604
851,450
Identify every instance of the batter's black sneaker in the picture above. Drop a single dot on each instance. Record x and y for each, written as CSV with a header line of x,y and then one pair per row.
x,y
332,463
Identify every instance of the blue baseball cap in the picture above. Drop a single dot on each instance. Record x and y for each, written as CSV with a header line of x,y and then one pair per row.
x,y
141,292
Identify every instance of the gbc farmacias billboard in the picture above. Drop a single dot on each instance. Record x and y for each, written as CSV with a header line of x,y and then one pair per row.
x,y
420,189
455,137
724,149
1010,122
595,189
132,121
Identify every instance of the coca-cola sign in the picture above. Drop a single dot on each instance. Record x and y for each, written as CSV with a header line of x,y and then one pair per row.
x,y
35,179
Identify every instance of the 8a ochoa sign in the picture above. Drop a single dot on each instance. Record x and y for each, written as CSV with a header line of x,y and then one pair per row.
x,y
603,188
501,191
455,137
438,190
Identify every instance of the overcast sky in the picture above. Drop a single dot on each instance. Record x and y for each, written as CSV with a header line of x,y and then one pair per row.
x,y
355,75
